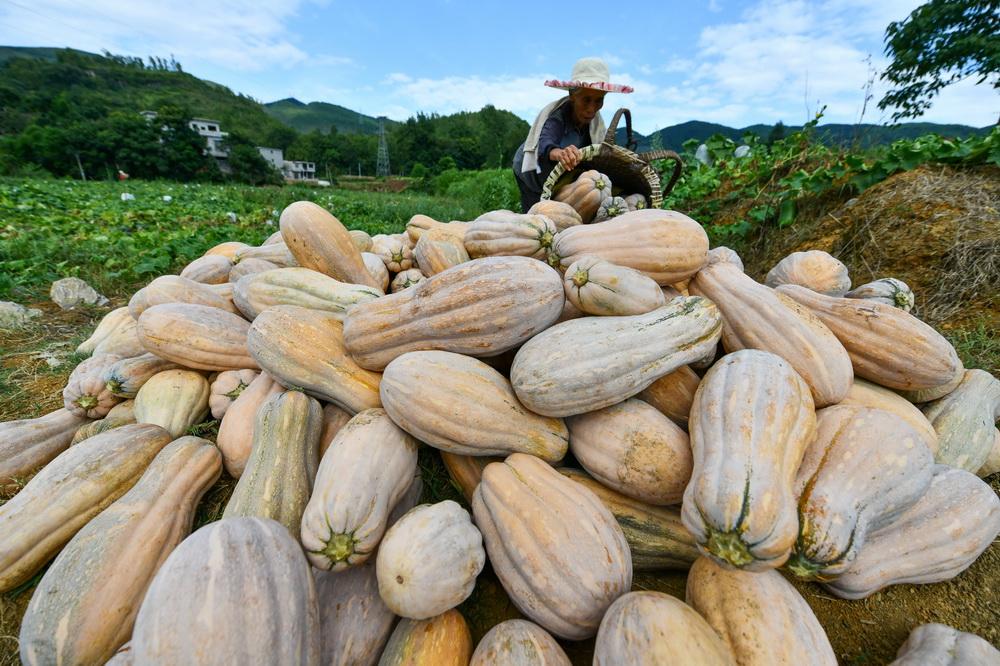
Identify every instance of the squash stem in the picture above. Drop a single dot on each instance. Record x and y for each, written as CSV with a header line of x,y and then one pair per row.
x,y
339,548
729,547
803,567
581,277
87,402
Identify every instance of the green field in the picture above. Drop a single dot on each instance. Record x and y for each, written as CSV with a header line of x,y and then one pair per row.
x,y
58,228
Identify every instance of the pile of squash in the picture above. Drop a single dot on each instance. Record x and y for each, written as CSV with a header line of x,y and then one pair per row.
x,y
718,425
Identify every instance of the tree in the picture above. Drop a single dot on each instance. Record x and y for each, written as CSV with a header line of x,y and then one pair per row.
x,y
247,164
939,43
777,133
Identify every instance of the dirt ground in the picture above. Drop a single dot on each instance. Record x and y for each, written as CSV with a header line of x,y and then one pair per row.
x,y
936,228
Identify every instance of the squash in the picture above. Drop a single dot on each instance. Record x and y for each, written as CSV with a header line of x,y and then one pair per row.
x,y
125,377
109,324
503,233
661,244
437,251
634,449
334,418
250,267
481,308
236,431
354,621
866,394
428,561
864,468
274,237
443,640
237,591
376,268
406,279
964,420
227,249
361,240
124,341
210,269
277,253
571,368
992,464
516,642
940,391
724,254
611,207
657,539
175,400
814,269
85,393
226,388
936,539
562,214
298,286
88,430
73,488
673,394
394,253
421,390
650,628
586,193
558,552
751,421
196,336
362,476
419,224
888,291
123,657
466,471
887,345
598,287
27,444
757,317
760,616
319,241
305,349
98,580
636,202
279,474
175,289
941,645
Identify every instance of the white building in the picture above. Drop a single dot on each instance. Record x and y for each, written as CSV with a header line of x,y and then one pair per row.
x,y
211,130
214,137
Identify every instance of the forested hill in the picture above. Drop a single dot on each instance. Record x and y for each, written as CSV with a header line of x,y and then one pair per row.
x,y
322,116
59,87
864,135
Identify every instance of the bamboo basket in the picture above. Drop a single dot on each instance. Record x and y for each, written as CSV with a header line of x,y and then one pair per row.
x,y
629,172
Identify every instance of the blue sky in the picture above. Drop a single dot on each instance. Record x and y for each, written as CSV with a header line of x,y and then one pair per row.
x,y
735,62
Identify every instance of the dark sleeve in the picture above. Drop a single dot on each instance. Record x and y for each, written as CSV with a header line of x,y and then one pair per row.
x,y
551,134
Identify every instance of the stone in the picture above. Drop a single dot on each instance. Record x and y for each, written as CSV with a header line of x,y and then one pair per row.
x,y
70,292
15,315
741,152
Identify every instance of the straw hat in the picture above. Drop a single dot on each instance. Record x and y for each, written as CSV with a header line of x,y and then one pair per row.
x,y
590,73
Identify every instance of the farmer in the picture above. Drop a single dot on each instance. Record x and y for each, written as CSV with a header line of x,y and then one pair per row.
x,y
563,127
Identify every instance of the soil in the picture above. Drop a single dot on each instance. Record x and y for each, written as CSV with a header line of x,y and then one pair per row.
x,y
935,228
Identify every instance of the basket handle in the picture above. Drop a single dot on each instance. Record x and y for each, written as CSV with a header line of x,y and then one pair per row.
x,y
630,142
666,155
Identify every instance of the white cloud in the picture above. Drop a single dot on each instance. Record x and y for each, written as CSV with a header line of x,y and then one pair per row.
x,y
237,34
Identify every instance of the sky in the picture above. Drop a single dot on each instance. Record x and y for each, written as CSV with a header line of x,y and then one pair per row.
x,y
735,62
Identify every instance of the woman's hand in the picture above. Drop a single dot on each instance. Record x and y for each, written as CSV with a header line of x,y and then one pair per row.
x,y
569,156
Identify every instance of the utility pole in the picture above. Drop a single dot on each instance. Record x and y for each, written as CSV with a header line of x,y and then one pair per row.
x,y
382,168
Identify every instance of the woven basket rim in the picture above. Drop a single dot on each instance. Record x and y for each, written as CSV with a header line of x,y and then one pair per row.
x,y
614,153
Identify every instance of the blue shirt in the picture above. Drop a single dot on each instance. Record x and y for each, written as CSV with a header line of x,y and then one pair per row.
x,y
557,132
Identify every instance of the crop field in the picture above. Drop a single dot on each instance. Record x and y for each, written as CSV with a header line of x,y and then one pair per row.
x,y
51,229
